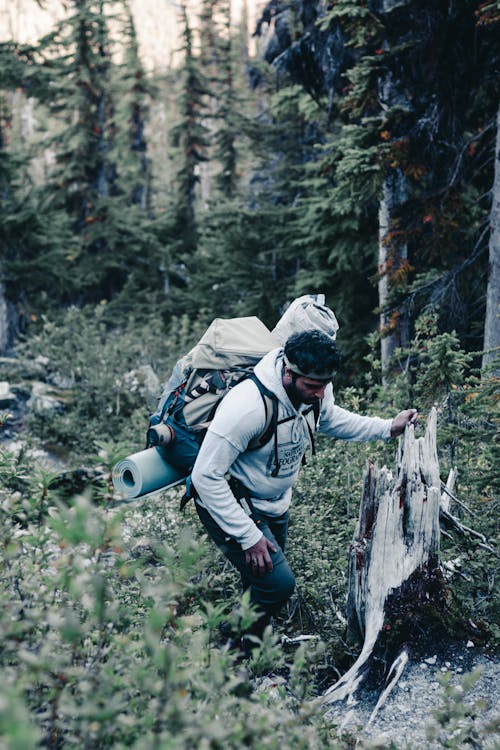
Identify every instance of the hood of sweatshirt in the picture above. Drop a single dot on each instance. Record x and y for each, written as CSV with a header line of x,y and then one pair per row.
x,y
269,372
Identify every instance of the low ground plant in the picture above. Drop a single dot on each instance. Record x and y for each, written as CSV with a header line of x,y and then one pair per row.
x,y
97,369
110,634
109,641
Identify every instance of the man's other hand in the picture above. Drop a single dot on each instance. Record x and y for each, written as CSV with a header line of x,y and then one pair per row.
x,y
398,426
258,557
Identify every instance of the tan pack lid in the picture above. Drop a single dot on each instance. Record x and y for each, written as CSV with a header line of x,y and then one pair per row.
x,y
232,341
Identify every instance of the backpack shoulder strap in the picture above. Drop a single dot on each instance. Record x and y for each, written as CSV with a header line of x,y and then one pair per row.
x,y
270,401
316,409
271,428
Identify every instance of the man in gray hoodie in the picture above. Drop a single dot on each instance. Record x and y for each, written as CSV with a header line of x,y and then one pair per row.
x,y
244,495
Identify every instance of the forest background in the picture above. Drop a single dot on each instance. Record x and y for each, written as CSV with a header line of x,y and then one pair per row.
x,y
347,148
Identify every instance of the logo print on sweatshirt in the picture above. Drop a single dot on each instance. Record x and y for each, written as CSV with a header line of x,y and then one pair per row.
x,y
289,457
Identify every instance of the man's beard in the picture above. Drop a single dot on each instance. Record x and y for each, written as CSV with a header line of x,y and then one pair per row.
x,y
297,397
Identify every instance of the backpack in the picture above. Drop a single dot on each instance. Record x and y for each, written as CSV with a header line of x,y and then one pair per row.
x,y
224,356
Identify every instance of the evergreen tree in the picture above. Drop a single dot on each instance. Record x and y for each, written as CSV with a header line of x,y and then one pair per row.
x,y
133,94
34,234
432,133
227,95
83,79
311,243
249,254
190,139
225,144
85,177
451,73
113,253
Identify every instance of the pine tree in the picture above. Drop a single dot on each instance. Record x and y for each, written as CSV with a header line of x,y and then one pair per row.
x,y
205,133
85,178
222,56
449,130
190,138
114,251
34,234
226,112
424,150
133,94
83,93
249,253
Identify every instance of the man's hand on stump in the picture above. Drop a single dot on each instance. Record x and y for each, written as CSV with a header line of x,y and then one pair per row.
x,y
404,418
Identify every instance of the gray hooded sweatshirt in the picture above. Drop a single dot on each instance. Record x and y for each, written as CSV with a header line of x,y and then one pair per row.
x,y
240,417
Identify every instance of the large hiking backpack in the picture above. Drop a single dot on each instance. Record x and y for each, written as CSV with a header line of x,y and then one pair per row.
x,y
225,355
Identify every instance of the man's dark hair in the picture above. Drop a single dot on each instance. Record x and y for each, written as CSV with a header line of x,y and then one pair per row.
x,y
312,352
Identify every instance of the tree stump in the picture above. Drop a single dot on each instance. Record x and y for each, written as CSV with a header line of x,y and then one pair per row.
x,y
397,537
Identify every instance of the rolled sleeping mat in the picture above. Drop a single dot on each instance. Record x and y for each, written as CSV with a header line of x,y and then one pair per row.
x,y
144,472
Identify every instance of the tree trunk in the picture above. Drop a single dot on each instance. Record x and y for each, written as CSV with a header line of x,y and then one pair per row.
x,y
8,321
391,256
491,343
392,251
397,538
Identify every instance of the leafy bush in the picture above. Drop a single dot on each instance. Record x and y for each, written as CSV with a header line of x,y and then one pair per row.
x,y
107,640
110,632
459,724
104,397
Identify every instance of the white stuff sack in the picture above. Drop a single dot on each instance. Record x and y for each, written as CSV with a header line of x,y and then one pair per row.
x,y
306,313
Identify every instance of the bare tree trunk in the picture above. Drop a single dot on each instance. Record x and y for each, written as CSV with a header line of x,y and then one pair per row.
x,y
8,321
397,537
391,256
4,321
491,343
392,252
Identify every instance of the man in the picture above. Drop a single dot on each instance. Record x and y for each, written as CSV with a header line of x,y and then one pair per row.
x,y
252,533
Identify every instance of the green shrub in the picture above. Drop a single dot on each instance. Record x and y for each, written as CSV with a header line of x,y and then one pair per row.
x,y
458,723
108,641
103,401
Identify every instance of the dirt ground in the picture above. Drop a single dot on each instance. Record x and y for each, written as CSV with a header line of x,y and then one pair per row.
x,y
408,713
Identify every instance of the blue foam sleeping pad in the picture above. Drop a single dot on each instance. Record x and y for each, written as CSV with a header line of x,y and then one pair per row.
x,y
145,472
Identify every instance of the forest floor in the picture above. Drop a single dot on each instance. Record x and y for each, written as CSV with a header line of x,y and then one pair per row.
x,y
406,716
408,713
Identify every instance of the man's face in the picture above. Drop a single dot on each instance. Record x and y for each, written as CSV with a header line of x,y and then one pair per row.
x,y
304,390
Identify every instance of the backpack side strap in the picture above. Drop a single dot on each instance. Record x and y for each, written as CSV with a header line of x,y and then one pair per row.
x,y
270,401
316,408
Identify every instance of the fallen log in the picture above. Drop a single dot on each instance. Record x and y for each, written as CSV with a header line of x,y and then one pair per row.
x,y
397,539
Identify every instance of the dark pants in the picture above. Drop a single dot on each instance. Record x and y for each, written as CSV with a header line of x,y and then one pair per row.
x,y
270,591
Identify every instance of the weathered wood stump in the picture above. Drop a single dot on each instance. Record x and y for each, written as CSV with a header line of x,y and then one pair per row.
x,y
397,537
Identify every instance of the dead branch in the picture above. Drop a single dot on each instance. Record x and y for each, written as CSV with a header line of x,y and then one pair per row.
x,y
448,519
